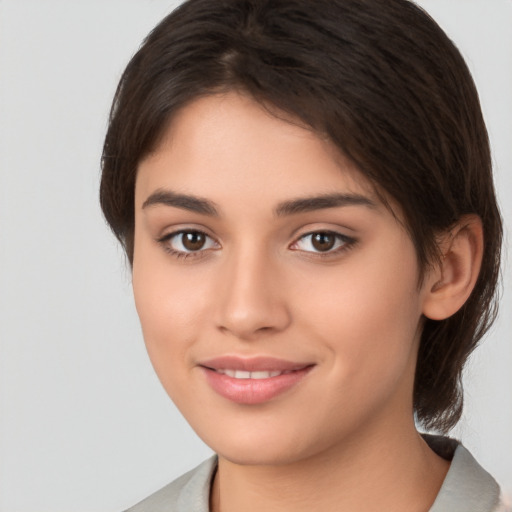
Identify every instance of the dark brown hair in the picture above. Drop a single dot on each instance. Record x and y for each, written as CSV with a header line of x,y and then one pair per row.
x,y
382,81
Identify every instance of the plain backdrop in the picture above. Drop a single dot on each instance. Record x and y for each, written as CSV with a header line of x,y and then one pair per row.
x,y
84,424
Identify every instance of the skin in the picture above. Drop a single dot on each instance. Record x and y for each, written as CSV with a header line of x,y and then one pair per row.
x,y
343,438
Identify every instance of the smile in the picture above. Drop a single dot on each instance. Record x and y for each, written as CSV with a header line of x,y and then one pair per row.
x,y
252,381
241,374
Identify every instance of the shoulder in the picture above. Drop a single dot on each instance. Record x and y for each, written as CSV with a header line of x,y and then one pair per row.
x,y
504,507
188,493
467,487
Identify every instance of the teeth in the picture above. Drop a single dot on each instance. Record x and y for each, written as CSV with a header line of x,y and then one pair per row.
x,y
264,375
240,374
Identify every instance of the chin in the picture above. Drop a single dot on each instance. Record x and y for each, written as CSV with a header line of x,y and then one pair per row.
x,y
256,456
266,447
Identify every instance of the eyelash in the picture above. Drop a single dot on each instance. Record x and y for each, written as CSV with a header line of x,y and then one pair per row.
x,y
346,244
165,240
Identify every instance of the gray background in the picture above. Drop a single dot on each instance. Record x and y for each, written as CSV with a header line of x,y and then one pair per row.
x,y
84,423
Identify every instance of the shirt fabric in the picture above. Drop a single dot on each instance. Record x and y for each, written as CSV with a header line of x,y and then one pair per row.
x,y
467,487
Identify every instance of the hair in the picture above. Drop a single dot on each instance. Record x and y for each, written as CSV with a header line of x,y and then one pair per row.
x,y
382,81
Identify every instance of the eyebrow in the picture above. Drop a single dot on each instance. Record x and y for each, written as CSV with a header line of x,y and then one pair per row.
x,y
290,207
183,201
321,202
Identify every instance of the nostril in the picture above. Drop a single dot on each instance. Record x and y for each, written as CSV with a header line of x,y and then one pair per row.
x,y
249,302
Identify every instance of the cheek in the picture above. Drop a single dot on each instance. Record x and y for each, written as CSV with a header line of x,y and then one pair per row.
x,y
367,313
170,306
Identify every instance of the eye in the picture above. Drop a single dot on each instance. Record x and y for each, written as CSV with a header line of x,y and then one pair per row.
x,y
187,242
323,242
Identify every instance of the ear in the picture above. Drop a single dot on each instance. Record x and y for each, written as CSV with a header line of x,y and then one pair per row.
x,y
451,281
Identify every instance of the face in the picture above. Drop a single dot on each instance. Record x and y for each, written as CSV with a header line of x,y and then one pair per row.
x,y
278,297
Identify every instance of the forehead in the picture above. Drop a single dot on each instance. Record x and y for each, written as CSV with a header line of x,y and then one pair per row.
x,y
229,145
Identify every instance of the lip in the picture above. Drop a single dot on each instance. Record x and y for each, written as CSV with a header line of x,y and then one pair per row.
x,y
253,391
252,364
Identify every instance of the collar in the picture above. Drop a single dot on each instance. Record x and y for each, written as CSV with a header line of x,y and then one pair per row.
x,y
467,487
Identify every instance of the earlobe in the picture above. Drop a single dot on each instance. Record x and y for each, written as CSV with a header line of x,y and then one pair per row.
x,y
450,284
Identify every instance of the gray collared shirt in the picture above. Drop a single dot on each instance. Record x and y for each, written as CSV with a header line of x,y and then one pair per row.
x,y
466,488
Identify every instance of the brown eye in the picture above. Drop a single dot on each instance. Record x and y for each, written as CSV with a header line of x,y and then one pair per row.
x,y
188,242
323,241
193,240
327,242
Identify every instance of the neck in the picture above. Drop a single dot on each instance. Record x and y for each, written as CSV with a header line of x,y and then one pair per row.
x,y
386,470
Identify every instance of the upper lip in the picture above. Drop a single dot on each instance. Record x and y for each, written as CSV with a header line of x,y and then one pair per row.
x,y
252,364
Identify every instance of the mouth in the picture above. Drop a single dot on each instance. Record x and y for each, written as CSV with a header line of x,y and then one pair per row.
x,y
252,381
242,374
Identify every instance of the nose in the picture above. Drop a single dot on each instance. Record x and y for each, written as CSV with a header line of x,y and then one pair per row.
x,y
251,300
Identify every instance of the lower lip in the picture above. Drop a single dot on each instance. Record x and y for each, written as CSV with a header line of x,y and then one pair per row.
x,y
253,391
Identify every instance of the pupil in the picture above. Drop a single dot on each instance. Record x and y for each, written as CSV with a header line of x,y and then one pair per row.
x,y
193,241
323,241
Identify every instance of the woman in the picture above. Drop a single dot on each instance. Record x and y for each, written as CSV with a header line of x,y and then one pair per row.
x,y
304,192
